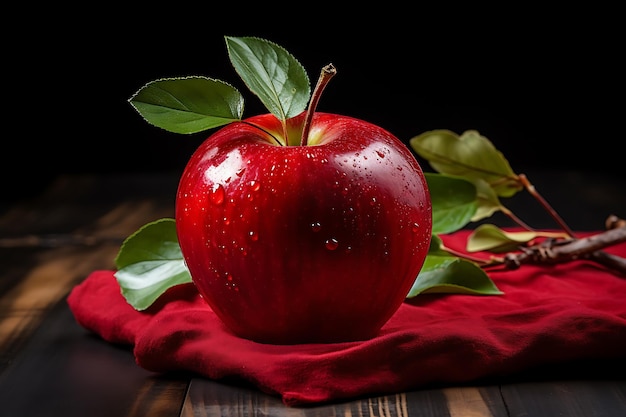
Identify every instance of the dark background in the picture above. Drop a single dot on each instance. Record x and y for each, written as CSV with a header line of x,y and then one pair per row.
x,y
546,87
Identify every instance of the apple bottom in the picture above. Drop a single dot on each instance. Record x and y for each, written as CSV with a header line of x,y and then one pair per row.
x,y
325,310
311,327
327,278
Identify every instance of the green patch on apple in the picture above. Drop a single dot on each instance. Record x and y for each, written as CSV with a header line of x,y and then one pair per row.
x,y
382,210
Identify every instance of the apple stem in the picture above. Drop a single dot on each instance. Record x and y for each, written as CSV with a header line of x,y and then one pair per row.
x,y
327,73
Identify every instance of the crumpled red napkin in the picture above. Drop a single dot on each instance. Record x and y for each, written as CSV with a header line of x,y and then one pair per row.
x,y
548,314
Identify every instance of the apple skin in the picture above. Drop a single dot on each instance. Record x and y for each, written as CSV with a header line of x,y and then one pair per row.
x,y
303,244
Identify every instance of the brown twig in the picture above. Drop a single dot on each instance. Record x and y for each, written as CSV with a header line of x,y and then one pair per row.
x,y
553,251
610,261
516,219
613,222
607,259
533,191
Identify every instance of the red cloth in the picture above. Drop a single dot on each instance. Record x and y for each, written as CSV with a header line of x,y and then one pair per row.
x,y
548,314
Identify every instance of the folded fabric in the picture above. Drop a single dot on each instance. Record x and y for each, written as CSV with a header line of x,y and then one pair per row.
x,y
547,315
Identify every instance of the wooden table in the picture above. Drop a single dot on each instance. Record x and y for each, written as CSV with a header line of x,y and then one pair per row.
x,y
50,366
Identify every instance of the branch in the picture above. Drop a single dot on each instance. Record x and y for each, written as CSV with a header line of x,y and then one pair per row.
x,y
609,260
552,251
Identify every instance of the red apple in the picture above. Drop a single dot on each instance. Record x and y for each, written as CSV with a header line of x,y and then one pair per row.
x,y
299,244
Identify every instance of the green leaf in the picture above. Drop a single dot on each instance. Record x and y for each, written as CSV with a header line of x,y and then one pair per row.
x,y
453,202
188,105
452,275
272,73
149,262
488,202
469,155
488,237
436,246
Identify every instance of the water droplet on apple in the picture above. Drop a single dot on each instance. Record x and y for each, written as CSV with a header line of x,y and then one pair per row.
x,y
415,228
255,185
240,172
316,226
253,235
217,194
230,284
331,244
380,153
